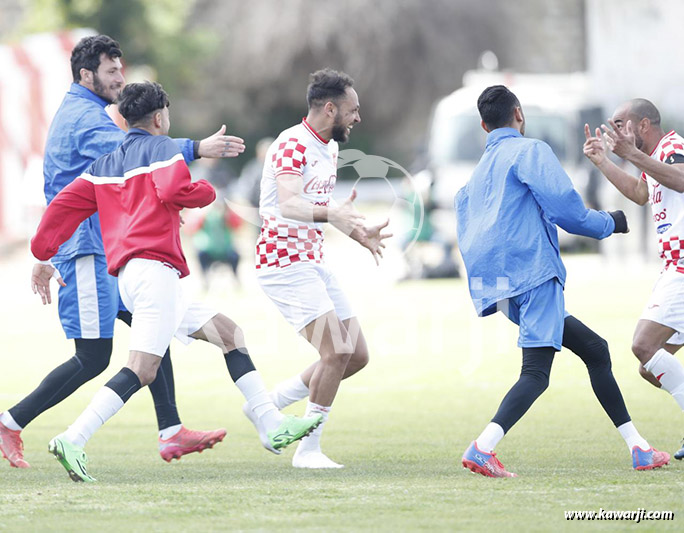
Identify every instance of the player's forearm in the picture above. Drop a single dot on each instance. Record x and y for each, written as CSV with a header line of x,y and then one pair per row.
x,y
630,186
297,208
671,176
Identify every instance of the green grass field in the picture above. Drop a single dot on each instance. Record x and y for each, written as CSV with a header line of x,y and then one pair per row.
x,y
436,377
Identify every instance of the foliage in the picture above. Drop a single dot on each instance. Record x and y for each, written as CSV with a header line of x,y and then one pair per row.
x,y
151,32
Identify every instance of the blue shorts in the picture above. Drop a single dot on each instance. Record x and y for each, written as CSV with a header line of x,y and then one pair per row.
x,y
540,313
89,303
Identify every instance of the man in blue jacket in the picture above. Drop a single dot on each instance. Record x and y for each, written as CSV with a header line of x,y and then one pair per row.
x,y
81,132
507,216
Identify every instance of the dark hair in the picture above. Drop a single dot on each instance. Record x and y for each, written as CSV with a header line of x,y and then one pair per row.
x,y
496,105
326,85
138,100
86,54
642,108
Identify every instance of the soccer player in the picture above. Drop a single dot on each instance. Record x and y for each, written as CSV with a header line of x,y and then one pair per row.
x,y
507,217
81,132
298,179
138,191
637,136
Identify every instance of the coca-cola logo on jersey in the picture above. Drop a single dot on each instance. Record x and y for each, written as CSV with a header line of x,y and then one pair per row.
x,y
320,185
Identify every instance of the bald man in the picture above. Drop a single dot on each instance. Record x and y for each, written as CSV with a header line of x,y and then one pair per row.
x,y
636,135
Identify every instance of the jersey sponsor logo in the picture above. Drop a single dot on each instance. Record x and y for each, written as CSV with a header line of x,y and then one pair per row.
x,y
663,228
657,197
318,185
658,217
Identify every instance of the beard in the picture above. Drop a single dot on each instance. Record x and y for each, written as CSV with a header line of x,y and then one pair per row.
x,y
101,90
638,141
339,132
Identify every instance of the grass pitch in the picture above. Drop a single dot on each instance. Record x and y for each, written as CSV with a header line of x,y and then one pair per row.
x,y
437,375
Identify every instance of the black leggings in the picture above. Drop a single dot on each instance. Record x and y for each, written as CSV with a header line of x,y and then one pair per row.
x,y
536,369
91,358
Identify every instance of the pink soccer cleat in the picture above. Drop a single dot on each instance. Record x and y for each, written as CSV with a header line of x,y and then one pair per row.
x,y
12,447
189,441
648,459
484,463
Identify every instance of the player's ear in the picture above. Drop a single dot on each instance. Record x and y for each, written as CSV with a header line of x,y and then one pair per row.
x,y
157,118
330,109
484,126
86,75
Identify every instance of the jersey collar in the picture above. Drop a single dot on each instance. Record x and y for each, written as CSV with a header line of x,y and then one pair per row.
x,y
313,132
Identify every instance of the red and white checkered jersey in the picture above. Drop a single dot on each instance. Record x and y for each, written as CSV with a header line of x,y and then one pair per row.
x,y
298,151
667,205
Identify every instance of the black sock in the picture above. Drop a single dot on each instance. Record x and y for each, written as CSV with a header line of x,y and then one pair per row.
x,y
593,351
91,358
163,388
533,381
163,391
125,384
238,363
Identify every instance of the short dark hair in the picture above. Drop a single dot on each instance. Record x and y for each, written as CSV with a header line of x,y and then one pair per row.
x,y
496,105
642,108
326,85
139,100
86,54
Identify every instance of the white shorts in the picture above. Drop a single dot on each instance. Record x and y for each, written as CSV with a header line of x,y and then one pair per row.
x,y
152,292
304,292
666,305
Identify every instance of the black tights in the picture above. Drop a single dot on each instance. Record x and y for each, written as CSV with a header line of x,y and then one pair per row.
x,y
91,358
536,368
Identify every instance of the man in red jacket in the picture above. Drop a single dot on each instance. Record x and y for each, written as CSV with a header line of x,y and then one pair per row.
x,y
138,191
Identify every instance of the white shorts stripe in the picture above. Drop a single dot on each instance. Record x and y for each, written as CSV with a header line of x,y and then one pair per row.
x,y
88,304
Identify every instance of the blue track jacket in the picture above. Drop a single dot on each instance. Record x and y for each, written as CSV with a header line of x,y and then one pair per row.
x,y
81,132
507,216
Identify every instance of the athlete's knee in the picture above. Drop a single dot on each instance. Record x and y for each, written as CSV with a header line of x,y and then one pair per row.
x,y
598,354
358,360
94,355
146,373
643,348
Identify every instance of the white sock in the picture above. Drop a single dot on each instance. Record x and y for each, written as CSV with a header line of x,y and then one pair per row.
x,y
312,443
7,420
632,438
253,389
670,372
104,405
167,433
490,437
289,391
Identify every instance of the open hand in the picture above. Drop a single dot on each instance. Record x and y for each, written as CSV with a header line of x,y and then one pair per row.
x,y
40,280
371,237
220,145
622,141
593,146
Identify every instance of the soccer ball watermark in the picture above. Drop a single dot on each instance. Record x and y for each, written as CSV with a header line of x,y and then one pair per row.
x,y
385,188
390,187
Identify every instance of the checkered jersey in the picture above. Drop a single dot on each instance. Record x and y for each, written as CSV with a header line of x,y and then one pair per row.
x,y
298,153
667,205
281,244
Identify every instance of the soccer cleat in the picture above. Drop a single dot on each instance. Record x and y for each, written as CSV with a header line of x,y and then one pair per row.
x,y
313,460
188,441
679,454
12,447
292,429
72,457
484,463
254,419
648,459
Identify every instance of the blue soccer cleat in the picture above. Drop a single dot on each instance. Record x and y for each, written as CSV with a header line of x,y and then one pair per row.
x,y
679,454
484,463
